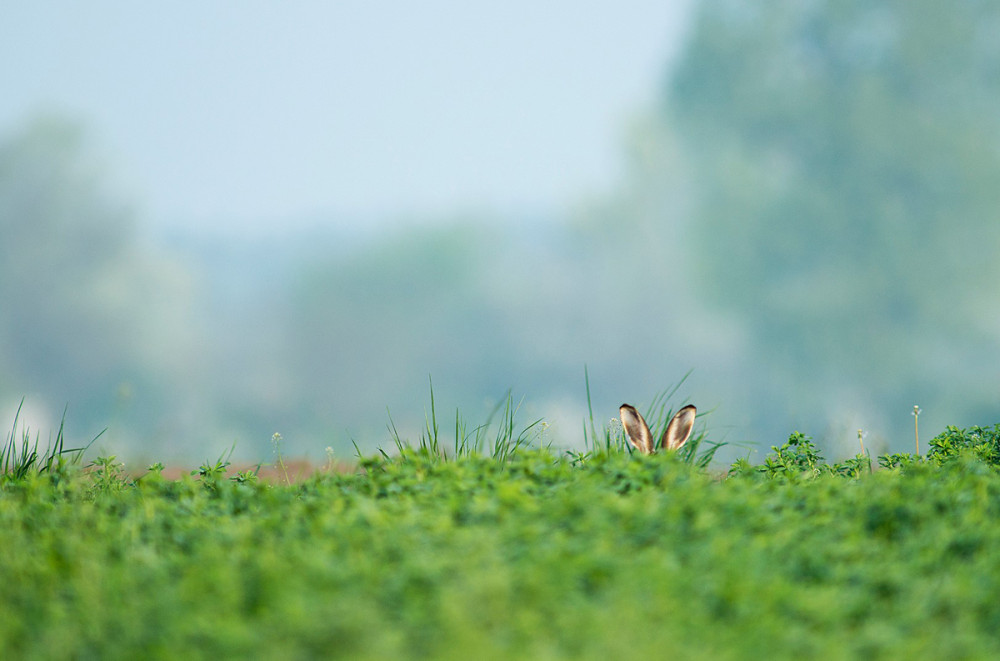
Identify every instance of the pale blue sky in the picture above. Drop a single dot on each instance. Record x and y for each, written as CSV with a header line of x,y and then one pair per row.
x,y
244,113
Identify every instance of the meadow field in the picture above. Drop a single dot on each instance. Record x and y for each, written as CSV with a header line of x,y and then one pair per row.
x,y
523,553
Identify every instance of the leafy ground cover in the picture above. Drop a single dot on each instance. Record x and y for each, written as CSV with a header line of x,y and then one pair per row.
x,y
539,555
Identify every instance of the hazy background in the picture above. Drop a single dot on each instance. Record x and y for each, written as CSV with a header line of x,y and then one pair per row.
x,y
220,222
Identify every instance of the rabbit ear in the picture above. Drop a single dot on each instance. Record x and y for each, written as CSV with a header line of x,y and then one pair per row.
x,y
636,429
679,429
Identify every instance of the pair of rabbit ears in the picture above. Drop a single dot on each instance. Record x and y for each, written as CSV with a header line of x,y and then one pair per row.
x,y
674,436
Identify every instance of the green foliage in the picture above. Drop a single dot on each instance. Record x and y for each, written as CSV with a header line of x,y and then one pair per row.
x,y
506,440
607,441
981,442
899,460
954,444
109,475
213,474
17,459
246,476
538,557
797,459
854,467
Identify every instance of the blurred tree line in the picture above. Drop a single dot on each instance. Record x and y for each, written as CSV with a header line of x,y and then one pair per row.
x,y
846,163
92,316
808,220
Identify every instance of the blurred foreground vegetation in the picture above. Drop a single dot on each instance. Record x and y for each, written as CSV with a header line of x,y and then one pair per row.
x,y
539,555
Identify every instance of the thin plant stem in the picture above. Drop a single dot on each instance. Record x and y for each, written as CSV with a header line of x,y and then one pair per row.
x,y
861,440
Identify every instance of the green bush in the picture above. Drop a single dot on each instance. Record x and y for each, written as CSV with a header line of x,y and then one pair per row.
x,y
981,442
540,556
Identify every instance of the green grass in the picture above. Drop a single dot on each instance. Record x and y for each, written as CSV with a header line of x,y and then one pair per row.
x,y
541,556
20,456
488,546
500,441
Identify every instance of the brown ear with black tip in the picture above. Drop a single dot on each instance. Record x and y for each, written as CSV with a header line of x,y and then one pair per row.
x,y
636,429
679,429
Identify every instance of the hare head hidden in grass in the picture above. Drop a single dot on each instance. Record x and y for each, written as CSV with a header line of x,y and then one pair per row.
x,y
675,435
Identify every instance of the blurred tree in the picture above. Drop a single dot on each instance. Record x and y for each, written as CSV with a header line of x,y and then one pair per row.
x,y
92,318
60,239
367,330
846,155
